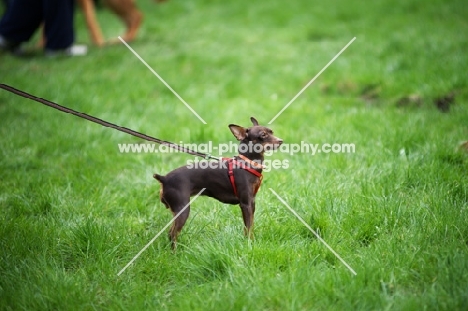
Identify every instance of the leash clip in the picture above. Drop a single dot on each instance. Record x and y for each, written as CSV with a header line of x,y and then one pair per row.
x,y
208,156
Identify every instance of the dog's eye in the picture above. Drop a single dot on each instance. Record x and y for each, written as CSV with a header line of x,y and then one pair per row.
x,y
263,135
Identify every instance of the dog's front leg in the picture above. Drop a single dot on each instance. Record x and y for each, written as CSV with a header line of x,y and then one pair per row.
x,y
252,220
248,209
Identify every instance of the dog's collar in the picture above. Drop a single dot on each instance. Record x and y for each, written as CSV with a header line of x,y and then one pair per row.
x,y
251,163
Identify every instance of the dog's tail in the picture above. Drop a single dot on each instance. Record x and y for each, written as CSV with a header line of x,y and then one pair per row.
x,y
159,178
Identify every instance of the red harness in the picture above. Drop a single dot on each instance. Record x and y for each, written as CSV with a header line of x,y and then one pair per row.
x,y
232,162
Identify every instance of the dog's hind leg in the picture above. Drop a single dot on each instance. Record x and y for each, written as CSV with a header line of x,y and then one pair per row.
x,y
176,202
178,224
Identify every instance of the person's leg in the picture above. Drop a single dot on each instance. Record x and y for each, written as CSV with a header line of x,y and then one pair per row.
x,y
20,21
58,24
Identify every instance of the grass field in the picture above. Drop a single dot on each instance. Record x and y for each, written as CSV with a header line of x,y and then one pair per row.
x,y
75,211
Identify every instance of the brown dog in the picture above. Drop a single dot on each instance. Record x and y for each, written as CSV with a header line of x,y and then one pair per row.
x,y
126,10
231,181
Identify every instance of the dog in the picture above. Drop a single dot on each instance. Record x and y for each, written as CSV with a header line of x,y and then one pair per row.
x,y
126,10
231,181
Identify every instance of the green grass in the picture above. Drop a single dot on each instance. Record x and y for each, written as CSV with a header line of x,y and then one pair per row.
x,y
74,211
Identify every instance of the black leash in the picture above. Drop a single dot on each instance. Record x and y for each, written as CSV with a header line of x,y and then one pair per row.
x,y
105,123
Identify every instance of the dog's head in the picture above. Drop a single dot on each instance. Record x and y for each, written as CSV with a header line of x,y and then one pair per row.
x,y
255,136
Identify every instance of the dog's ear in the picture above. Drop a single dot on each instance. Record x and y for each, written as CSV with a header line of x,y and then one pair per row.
x,y
239,132
254,121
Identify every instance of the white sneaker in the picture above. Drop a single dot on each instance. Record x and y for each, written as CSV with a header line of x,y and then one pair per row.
x,y
74,50
77,50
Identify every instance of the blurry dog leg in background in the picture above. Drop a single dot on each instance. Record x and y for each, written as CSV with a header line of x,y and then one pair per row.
x,y
128,12
93,26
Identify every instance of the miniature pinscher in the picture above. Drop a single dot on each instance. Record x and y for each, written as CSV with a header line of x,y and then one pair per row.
x,y
231,181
